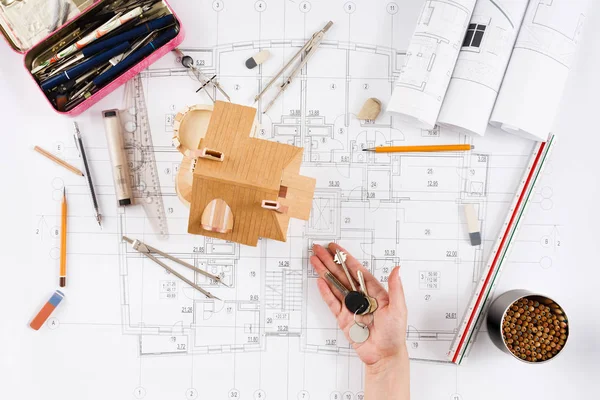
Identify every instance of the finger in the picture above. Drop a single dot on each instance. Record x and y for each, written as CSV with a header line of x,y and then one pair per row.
x,y
335,306
321,271
374,288
327,260
396,291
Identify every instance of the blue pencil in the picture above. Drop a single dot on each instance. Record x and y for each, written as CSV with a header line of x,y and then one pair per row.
x,y
84,67
133,33
135,57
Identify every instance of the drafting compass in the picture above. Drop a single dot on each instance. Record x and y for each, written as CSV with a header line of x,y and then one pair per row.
x,y
305,53
204,79
148,251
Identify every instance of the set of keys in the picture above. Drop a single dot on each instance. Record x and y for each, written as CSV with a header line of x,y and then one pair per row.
x,y
356,300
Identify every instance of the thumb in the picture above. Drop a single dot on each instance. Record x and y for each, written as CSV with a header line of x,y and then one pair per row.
x,y
396,291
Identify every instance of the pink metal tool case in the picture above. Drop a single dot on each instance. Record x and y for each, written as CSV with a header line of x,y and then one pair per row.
x,y
78,51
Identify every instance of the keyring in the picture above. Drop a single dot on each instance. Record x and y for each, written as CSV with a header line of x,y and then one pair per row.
x,y
359,331
362,323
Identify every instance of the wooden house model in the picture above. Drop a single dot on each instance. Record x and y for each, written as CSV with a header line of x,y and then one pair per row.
x,y
245,188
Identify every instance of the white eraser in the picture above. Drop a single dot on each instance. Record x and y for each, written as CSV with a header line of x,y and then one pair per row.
x,y
258,59
473,224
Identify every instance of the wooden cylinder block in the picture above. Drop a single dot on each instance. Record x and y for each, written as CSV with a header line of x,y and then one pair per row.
x,y
370,110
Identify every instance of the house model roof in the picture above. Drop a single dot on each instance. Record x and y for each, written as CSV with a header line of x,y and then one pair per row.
x,y
252,171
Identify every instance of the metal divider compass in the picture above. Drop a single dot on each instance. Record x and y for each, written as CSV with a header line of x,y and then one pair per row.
x,y
304,54
148,251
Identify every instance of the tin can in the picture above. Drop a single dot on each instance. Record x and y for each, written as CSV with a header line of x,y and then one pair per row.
x,y
498,311
32,43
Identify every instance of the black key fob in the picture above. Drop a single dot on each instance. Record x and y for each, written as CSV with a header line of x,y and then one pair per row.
x,y
356,302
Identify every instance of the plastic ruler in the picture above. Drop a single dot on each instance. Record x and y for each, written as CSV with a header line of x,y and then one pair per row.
x,y
140,153
476,310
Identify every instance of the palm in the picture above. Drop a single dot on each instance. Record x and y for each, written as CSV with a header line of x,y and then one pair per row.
x,y
387,333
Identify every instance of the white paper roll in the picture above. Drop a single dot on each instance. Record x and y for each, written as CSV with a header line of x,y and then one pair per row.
x,y
430,60
539,66
481,64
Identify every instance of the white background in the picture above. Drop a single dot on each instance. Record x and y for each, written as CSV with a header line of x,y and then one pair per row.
x,y
487,374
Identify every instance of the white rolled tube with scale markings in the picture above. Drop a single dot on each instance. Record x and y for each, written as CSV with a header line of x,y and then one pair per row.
x,y
118,157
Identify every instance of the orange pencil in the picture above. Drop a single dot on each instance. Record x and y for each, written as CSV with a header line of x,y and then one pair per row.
x,y
63,242
421,149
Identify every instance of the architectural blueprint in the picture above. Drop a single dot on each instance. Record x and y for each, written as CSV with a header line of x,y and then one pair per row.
x,y
509,64
546,44
481,64
271,336
430,59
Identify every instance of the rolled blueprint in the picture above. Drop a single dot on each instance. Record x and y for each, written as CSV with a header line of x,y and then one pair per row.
x,y
538,68
430,59
481,64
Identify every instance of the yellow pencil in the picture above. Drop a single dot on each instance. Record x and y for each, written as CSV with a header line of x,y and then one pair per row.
x,y
58,161
421,149
63,242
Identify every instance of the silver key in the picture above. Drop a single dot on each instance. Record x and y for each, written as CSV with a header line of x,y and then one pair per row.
x,y
340,258
337,257
361,282
363,288
336,283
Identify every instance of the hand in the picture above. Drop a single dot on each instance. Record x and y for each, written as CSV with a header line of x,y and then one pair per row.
x,y
387,337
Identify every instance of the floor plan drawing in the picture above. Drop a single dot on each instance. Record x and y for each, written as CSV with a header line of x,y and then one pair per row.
x,y
271,336
481,64
485,50
547,42
430,59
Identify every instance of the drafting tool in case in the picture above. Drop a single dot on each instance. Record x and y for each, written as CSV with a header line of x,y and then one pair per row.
x,y
485,288
140,152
